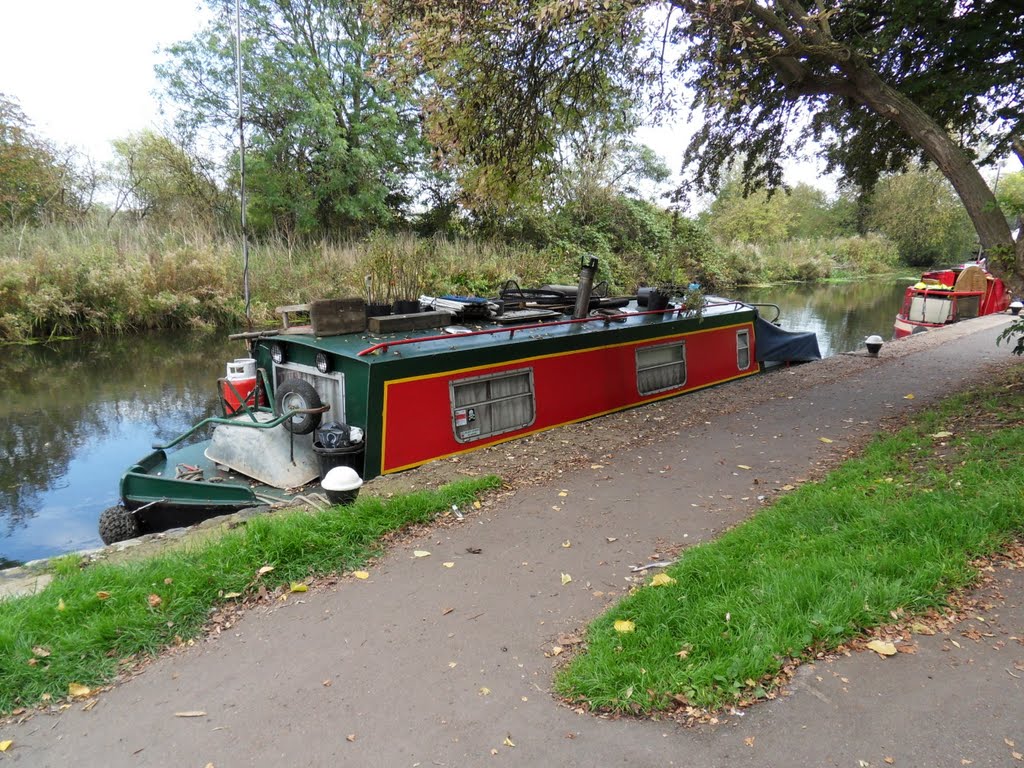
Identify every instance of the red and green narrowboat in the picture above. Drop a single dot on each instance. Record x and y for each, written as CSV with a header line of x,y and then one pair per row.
x,y
947,296
392,393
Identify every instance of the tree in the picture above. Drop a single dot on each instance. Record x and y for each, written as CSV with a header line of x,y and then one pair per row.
x,y
876,84
920,212
1010,194
156,178
38,180
331,146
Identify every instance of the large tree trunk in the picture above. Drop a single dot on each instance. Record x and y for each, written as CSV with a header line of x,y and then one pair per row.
x,y
1005,256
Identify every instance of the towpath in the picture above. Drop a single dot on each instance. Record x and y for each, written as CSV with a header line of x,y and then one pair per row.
x,y
391,671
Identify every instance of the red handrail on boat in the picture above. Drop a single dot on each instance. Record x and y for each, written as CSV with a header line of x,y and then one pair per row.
x,y
384,345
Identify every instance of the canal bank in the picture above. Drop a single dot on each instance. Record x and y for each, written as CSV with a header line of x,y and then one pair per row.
x,y
406,673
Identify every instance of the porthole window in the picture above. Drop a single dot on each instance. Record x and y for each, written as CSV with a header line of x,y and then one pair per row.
x,y
484,406
743,349
661,367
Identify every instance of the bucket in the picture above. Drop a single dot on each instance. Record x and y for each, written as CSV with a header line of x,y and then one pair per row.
x,y
242,368
338,445
235,392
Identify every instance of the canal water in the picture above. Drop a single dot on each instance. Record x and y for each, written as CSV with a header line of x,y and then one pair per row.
x,y
75,414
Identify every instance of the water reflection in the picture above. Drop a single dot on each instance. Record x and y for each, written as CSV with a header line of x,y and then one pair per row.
x,y
75,415
842,314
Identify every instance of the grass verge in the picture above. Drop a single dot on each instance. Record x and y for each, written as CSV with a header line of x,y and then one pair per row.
x,y
895,529
88,623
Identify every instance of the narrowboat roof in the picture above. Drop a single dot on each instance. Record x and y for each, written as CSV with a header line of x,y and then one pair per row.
x,y
370,347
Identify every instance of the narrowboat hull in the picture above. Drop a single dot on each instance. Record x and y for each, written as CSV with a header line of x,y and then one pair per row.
x,y
424,395
947,296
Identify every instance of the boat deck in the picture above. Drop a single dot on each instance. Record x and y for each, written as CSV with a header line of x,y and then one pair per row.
x,y
483,334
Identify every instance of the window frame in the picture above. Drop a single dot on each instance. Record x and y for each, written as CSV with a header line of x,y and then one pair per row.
x,y
681,343
531,393
743,333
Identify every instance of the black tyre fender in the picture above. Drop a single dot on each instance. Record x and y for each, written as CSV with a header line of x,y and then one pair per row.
x,y
296,393
118,524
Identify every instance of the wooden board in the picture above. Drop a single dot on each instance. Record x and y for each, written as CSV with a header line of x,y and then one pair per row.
x,y
415,321
333,317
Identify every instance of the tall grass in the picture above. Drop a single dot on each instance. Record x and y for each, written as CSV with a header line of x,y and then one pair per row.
x,y
67,280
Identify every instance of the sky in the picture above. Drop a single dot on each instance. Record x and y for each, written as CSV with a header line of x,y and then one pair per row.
x,y
83,73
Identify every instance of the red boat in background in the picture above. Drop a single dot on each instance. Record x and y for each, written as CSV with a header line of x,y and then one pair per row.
x,y
948,295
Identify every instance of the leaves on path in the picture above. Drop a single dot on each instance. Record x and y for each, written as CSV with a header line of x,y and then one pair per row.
x,y
5,744
485,691
566,578
420,553
508,741
191,713
566,544
361,574
449,564
909,396
742,466
882,647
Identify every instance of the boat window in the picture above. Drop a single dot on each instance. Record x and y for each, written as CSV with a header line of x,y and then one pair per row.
x,y
743,349
661,367
484,406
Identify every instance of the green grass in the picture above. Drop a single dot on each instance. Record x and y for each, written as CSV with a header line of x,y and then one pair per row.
x,y
895,529
88,638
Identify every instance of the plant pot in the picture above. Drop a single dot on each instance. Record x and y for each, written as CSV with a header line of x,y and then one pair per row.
x,y
378,310
407,307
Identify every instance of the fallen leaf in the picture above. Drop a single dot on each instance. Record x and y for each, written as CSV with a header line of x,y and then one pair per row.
x,y
824,440
566,578
32,662
1009,742
1017,756
610,539
508,741
889,760
921,629
954,642
420,553
624,625
78,691
882,647
662,580
102,595
40,651
231,595
597,466
350,737
563,494
448,564
264,570
92,703
298,586
154,600
569,640
476,505
909,397
361,574
942,434
446,611
742,466
5,744
788,487
327,683
556,650
452,664
494,751
191,713
566,544
60,604
683,652
485,691
749,741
